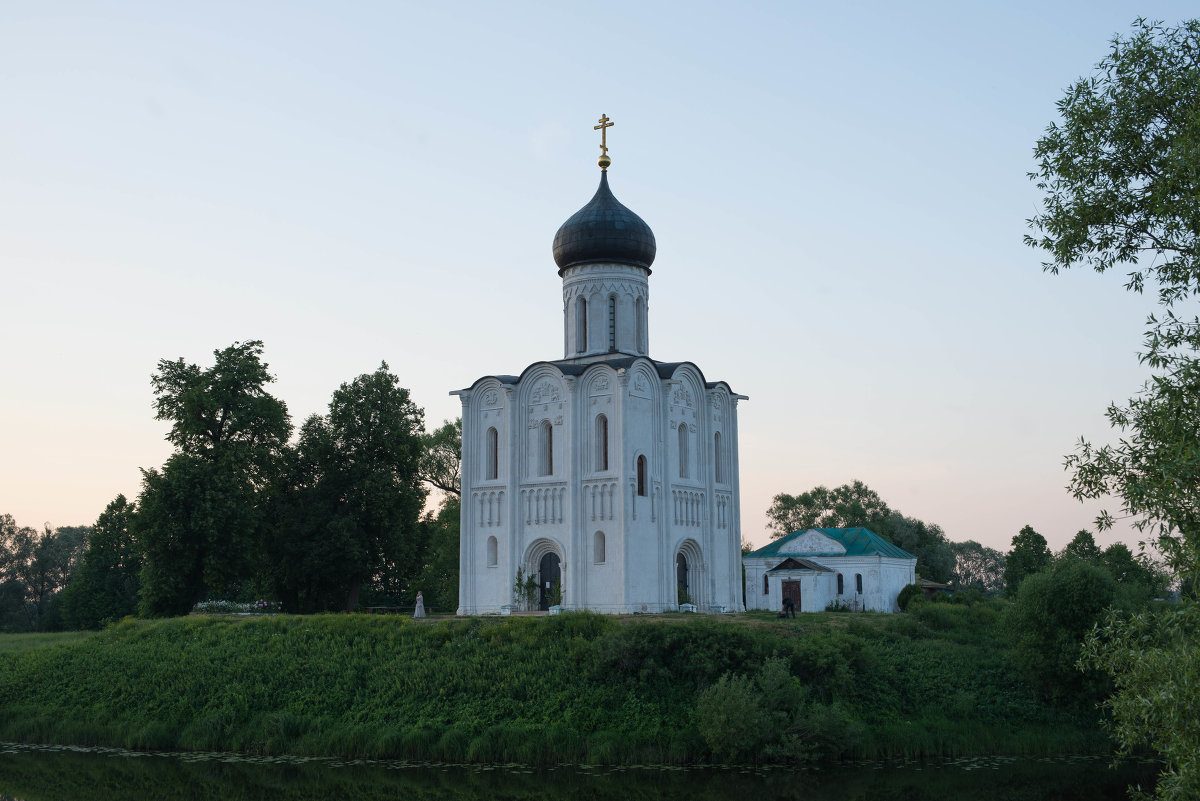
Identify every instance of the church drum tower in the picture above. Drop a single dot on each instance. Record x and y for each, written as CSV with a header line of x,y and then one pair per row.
x,y
610,477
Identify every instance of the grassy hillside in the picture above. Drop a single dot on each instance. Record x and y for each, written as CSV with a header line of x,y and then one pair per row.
x,y
575,687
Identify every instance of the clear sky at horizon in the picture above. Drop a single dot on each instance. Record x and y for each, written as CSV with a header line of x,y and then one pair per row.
x,y
839,195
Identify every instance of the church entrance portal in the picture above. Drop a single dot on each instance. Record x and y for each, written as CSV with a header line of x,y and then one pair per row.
x,y
549,576
791,589
681,577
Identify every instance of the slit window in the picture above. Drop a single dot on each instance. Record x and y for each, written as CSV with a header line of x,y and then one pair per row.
x,y
492,466
601,442
546,449
683,450
612,323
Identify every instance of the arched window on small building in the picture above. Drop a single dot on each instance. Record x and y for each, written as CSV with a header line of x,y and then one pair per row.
x,y
858,583
766,584
492,457
598,548
641,476
601,442
492,552
546,449
841,588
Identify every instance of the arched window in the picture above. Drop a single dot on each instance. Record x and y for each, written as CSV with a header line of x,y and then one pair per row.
x,y
546,449
612,323
639,320
581,325
492,457
683,450
718,459
641,475
601,442
598,548
491,552
858,583
766,584
841,589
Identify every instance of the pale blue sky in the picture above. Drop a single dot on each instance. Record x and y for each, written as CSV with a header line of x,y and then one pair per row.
x,y
838,194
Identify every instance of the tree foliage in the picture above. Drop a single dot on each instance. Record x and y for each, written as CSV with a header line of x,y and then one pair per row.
x,y
199,519
1121,177
856,504
849,505
441,462
1030,554
977,567
105,587
35,566
1154,664
1082,546
1053,611
348,504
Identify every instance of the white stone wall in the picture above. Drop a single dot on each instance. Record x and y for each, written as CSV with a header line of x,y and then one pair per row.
x,y
587,334
528,512
883,578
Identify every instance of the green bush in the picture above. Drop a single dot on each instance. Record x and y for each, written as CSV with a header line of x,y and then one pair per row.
x,y
907,593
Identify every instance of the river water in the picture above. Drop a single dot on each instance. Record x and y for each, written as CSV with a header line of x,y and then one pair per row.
x,y
63,773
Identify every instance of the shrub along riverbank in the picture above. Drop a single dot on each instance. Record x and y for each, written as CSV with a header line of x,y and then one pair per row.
x,y
578,687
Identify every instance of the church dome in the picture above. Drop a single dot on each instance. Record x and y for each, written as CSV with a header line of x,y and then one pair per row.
x,y
604,230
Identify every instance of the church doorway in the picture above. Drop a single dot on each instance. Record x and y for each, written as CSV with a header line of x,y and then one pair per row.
x,y
681,578
791,589
549,581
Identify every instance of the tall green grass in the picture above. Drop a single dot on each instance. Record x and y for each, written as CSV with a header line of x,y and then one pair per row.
x,y
578,687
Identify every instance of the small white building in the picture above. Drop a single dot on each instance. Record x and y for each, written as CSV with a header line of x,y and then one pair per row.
x,y
818,567
610,476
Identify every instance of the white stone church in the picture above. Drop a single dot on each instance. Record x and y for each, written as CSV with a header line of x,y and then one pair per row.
x,y
610,476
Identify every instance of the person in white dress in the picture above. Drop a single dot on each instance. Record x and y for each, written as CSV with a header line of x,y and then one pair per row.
x,y
420,610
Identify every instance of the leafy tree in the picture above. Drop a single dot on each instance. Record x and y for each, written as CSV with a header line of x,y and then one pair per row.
x,y
199,522
926,541
350,505
34,569
439,574
441,463
1029,555
842,507
1055,609
1154,664
1083,546
105,587
977,567
1121,176
857,504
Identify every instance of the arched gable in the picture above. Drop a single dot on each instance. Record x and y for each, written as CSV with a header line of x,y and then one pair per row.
x,y
543,398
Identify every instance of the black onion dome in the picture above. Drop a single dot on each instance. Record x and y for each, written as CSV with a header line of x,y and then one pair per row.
x,y
604,230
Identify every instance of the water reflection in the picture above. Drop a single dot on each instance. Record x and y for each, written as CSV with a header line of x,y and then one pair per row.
x,y
58,773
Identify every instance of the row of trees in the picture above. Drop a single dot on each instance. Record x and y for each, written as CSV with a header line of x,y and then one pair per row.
x,y
240,510
35,566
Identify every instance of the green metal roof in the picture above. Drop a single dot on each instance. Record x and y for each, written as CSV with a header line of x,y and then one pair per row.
x,y
857,541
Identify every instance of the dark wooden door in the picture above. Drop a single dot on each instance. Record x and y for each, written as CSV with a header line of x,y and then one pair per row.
x,y
791,589
549,575
681,578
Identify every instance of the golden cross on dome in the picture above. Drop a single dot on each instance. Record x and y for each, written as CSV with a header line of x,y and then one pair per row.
x,y
605,124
